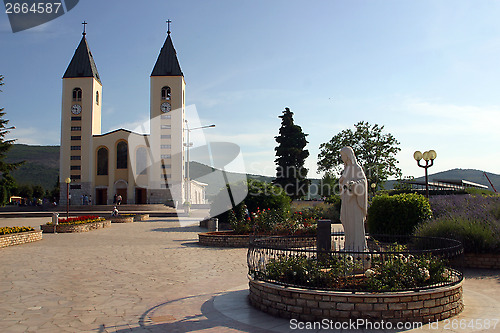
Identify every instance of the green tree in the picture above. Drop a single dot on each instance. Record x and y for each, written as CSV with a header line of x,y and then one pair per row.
x,y
7,183
375,151
25,191
38,191
290,157
328,185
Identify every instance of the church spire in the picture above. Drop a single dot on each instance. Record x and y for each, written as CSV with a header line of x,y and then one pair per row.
x,y
167,63
82,64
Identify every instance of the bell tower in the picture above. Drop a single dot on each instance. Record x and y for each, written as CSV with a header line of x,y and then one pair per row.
x,y
167,107
80,120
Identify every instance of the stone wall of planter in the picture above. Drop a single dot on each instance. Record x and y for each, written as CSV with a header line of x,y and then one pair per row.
x,y
228,239
316,305
84,227
141,217
223,239
122,219
483,260
20,238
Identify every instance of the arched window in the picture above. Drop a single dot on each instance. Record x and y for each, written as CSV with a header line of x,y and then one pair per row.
x,y
97,97
121,155
141,161
102,161
77,95
165,93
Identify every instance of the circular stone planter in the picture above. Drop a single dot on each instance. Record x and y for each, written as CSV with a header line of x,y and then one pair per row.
x,y
229,239
315,305
141,217
122,219
20,238
223,239
84,227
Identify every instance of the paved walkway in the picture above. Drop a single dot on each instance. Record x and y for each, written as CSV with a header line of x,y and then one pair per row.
x,y
154,277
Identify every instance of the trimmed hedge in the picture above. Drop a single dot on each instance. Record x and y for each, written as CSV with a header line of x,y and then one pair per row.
x,y
398,214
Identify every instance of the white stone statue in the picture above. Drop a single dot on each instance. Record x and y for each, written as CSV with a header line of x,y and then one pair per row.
x,y
353,192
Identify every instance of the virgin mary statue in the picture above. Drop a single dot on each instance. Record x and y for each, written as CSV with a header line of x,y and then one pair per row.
x,y
353,192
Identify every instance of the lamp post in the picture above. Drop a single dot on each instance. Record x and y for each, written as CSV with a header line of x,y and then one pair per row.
x,y
188,145
67,181
429,157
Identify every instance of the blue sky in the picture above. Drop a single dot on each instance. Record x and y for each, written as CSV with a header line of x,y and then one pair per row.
x,y
426,70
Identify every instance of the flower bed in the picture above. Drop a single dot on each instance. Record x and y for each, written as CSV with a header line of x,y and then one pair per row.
x,y
14,230
20,237
76,224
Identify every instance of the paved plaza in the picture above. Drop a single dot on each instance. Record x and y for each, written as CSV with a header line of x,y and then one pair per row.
x,y
154,277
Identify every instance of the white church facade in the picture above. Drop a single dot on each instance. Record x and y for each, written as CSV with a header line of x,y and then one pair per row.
x,y
141,168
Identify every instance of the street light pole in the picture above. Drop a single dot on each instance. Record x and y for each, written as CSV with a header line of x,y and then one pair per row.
x,y
189,144
429,157
68,180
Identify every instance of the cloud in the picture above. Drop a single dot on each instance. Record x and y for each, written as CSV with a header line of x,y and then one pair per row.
x,y
35,136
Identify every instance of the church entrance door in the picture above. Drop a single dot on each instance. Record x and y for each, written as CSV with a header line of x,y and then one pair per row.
x,y
101,196
140,196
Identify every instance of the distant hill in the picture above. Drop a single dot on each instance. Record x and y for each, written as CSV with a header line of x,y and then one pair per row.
x,y
472,175
42,168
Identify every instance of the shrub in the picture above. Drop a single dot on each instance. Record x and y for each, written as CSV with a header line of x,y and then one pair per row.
x,y
390,272
261,196
323,211
397,214
476,235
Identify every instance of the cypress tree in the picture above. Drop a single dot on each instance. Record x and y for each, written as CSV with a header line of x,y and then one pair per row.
x,y
290,157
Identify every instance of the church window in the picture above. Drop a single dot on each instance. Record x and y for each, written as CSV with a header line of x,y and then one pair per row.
x,y
166,126
166,146
76,167
75,187
166,116
75,137
97,97
166,166
76,147
166,176
77,95
76,118
166,156
102,161
141,161
76,158
76,128
75,177
166,136
165,93
121,155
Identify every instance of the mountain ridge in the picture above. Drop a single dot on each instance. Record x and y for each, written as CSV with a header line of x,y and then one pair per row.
x,y
42,168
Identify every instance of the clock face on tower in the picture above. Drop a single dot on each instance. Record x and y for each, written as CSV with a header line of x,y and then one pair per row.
x,y
76,109
165,107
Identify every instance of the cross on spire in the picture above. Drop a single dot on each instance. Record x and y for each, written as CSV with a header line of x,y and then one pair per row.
x,y
168,25
84,24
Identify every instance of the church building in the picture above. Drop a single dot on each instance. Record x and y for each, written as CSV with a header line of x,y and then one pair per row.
x,y
141,168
